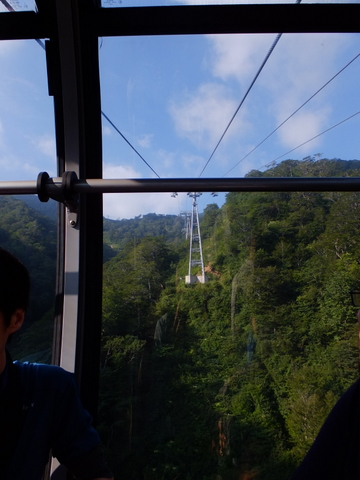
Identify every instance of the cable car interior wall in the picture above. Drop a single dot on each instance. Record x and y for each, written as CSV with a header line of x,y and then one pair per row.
x,y
70,31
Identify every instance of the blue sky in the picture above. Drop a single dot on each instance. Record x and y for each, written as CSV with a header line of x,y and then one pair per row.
x,y
172,97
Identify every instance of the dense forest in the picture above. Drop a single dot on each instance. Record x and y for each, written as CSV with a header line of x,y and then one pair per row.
x,y
31,237
232,379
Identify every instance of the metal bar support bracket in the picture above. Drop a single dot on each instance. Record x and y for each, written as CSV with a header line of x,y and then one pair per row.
x,y
65,194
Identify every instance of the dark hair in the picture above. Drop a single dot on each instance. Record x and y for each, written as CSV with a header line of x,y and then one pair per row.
x,y
14,285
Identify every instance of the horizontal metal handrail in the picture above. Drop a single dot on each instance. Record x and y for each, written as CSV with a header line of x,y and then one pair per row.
x,y
54,186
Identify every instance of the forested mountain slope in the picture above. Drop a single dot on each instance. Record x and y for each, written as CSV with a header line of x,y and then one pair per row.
x,y
233,379
227,380
118,233
31,237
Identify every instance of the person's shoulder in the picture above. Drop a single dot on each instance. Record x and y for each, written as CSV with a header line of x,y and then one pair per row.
x,y
43,369
47,375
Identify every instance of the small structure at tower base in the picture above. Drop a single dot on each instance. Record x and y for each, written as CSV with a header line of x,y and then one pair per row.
x,y
190,279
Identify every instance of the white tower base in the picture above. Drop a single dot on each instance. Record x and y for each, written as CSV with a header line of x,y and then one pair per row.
x,y
190,279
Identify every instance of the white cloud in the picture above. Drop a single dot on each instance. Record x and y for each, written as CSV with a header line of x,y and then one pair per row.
x,y
238,56
1,135
119,171
203,115
180,165
192,162
145,140
6,164
31,169
130,91
46,145
297,68
106,130
9,47
166,160
301,66
302,127
129,205
14,169
299,62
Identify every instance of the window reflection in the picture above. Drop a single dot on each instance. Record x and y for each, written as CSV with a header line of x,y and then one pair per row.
x,y
18,6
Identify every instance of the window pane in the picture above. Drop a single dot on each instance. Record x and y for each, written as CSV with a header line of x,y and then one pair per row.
x,y
28,231
27,147
27,133
233,377
173,98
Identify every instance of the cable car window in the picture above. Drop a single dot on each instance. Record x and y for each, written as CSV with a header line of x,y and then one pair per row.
x,y
228,328
27,132
27,146
233,372
224,105
29,233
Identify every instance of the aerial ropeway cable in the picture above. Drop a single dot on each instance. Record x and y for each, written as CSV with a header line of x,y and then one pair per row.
x,y
243,99
316,136
11,9
290,116
246,94
127,141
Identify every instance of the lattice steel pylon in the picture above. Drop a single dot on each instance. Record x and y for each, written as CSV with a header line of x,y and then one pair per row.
x,y
187,222
196,256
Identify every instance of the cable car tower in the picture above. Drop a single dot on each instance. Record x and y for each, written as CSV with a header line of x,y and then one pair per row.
x,y
196,256
187,219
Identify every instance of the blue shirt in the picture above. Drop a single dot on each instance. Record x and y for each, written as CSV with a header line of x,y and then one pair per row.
x,y
54,420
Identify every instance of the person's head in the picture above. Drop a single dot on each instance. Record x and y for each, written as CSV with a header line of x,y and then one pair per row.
x,y
14,286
